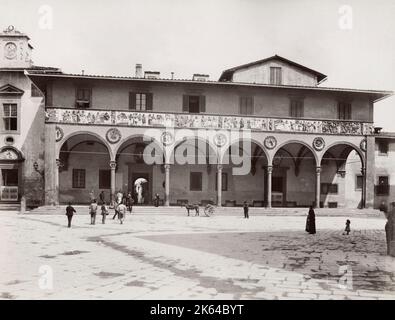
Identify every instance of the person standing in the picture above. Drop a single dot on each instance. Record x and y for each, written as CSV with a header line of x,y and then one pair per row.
x,y
102,197
92,196
69,213
156,201
129,201
347,229
93,211
310,222
121,212
245,207
104,212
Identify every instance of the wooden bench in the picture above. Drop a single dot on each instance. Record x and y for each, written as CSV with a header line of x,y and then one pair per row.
x,y
258,203
230,203
182,202
206,202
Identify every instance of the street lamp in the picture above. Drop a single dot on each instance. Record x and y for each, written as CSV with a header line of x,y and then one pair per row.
x,y
35,166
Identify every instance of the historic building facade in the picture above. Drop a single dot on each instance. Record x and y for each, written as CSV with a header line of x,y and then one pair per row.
x,y
265,132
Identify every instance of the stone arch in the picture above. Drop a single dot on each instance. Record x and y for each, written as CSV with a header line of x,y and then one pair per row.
x,y
207,143
339,143
93,134
226,147
316,158
121,144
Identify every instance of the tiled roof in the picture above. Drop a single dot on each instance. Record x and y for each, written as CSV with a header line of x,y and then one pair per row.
x,y
227,74
378,94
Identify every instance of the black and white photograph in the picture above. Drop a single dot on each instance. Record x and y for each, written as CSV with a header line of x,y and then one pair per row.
x,y
198,151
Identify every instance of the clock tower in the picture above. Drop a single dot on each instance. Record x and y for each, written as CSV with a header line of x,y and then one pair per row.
x,y
15,50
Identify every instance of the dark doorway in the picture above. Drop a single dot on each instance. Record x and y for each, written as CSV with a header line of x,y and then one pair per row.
x,y
278,191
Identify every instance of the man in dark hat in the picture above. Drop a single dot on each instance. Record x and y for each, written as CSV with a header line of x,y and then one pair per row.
x,y
69,213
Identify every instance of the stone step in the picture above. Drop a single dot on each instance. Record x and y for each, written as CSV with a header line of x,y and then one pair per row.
x,y
10,207
177,210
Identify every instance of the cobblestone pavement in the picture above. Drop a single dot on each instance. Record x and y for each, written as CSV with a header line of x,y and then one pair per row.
x,y
179,257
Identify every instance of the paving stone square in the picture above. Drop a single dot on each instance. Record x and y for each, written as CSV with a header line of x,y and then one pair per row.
x,y
161,256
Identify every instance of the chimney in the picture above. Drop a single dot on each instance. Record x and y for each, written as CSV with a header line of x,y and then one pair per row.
x,y
151,74
139,70
200,77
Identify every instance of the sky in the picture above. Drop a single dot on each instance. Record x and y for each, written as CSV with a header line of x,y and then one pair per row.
x,y
351,41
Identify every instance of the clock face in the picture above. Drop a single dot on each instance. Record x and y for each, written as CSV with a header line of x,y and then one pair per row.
x,y
10,50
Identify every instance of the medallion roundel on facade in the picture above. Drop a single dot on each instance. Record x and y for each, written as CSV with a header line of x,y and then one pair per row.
x,y
270,142
166,138
113,135
59,133
363,145
220,140
318,143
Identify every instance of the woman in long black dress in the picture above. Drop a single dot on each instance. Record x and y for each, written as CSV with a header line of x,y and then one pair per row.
x,y
310,221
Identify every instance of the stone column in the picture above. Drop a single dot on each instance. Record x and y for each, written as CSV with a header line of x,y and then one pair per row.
x,y
219,185
113,165
50,168
56,182
363,195
269,186
369,172
317,186
167,185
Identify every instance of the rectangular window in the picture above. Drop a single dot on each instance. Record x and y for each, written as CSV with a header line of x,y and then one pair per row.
x,y
104,179
83,98
10,177
246,105
383,147
10,116
195,180
79,178
35,92
297,109
224,182
140,101
383,187
344,110
194,104
358,182
329,188
275,75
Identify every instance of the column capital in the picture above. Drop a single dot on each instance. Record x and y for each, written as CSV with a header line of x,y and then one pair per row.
x,y
318,169
113,165
269,169
219,167
363,170
166,166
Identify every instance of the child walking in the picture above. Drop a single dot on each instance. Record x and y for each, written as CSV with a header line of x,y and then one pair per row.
x,y
104,212
347,229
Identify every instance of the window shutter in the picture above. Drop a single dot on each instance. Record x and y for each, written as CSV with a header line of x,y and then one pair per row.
x,y
185,103
301,109
202,102
149,97
132,100
348,111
